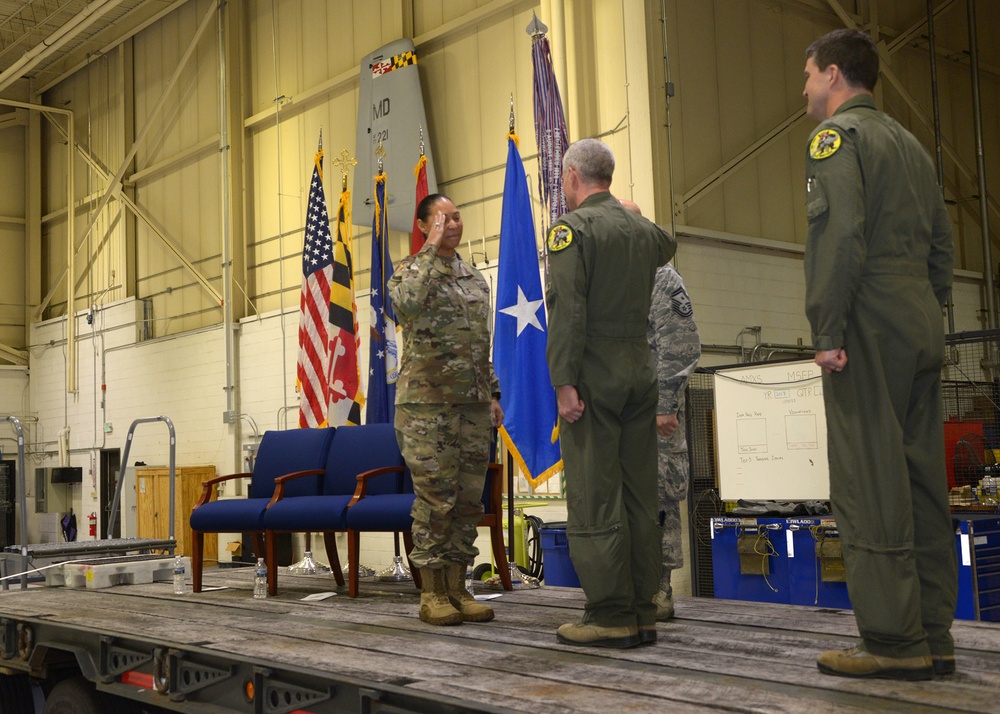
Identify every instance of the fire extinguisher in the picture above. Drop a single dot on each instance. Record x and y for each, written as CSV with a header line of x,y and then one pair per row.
x,y
93,525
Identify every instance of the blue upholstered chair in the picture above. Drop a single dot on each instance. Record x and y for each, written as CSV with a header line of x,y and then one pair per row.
x,y
377,507
382,503
296,451
354,450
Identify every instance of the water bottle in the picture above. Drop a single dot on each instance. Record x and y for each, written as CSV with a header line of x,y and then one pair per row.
x,y
468,578
180,586
260,580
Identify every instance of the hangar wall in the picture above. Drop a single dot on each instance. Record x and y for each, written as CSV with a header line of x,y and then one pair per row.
x,y
156,337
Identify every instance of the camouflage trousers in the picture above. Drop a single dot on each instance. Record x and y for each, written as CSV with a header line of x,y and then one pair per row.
x,y
446,447
673,487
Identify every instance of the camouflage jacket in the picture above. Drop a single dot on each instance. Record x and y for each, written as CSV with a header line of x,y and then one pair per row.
x,y
673,337
443,307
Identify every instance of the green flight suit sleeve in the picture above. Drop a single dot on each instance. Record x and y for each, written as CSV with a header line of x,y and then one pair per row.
x,y
835,245
940,261
566,300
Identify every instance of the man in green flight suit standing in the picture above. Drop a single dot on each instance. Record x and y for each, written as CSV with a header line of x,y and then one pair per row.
x,y
602,264
878,269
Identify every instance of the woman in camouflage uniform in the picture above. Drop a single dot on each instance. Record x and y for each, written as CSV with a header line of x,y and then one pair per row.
x,y
447,398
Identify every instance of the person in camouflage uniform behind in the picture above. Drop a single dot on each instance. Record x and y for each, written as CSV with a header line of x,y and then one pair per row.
x,y
673,337
447,398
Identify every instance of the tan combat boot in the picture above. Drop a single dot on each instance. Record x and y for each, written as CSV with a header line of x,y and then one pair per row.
x,y
856,662
435,609
462,599
664,602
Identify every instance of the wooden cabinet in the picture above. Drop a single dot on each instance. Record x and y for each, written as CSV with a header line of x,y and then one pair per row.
x,y
152,500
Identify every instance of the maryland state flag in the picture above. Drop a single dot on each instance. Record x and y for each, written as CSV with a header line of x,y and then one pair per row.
x,y
346,398
528,398
383,352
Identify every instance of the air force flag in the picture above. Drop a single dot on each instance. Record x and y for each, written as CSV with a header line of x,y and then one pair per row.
x,y
528,399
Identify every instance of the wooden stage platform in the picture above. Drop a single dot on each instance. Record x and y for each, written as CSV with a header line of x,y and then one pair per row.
x,y
717,655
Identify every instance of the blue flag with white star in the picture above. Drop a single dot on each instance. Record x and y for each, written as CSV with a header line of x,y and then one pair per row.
x,y
383,354
527,396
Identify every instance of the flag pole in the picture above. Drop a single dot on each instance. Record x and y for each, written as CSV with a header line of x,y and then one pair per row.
x,y
520,580
307,565
398,572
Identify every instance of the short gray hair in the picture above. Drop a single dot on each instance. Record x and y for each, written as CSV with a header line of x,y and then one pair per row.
x,y
592,159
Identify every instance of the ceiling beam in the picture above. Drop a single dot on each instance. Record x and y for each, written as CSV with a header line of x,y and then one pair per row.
x,y
14,356
51,44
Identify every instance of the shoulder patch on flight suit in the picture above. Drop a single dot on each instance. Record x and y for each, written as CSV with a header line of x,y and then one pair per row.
x,y
560,237
824,144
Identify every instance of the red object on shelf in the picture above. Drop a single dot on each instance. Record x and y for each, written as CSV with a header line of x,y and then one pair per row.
x,y
953,431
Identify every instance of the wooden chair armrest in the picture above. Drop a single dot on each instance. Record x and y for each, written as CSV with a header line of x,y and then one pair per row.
x,y
206,487
279,483
363,477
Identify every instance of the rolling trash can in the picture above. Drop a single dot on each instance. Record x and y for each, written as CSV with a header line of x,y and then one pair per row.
x,y
558,568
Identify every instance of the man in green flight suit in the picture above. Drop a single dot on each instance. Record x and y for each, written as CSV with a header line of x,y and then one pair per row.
x,y
602,264
878,269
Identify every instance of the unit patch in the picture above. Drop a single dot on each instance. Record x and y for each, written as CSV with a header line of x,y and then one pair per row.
x,y
560,237
824,144
681,303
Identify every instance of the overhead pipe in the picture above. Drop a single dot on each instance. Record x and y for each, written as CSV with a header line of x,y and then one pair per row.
x,y
227,260
977,115
668,92
938,151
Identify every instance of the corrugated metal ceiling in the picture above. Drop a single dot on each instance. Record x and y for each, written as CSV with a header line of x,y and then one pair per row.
x,y
50,37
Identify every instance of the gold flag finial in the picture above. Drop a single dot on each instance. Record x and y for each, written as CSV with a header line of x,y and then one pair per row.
x,y
380,153
344,163
512,113
421,128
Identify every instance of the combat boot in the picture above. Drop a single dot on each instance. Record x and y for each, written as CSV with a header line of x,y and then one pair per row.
x,y
435,608
664,601
462,599
856,662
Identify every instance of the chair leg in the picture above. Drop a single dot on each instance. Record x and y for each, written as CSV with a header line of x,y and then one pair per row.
x,y
330,543
414,570
197,544
353,551
272,562
258,543
500,555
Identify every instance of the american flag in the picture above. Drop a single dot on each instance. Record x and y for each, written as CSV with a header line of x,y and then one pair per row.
x,y
311,381
550,127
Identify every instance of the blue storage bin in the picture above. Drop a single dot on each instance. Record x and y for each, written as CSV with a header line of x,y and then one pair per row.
x,y
728,581
555,558
806,585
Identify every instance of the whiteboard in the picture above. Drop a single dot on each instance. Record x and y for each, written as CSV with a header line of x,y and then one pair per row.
x,y
770,426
